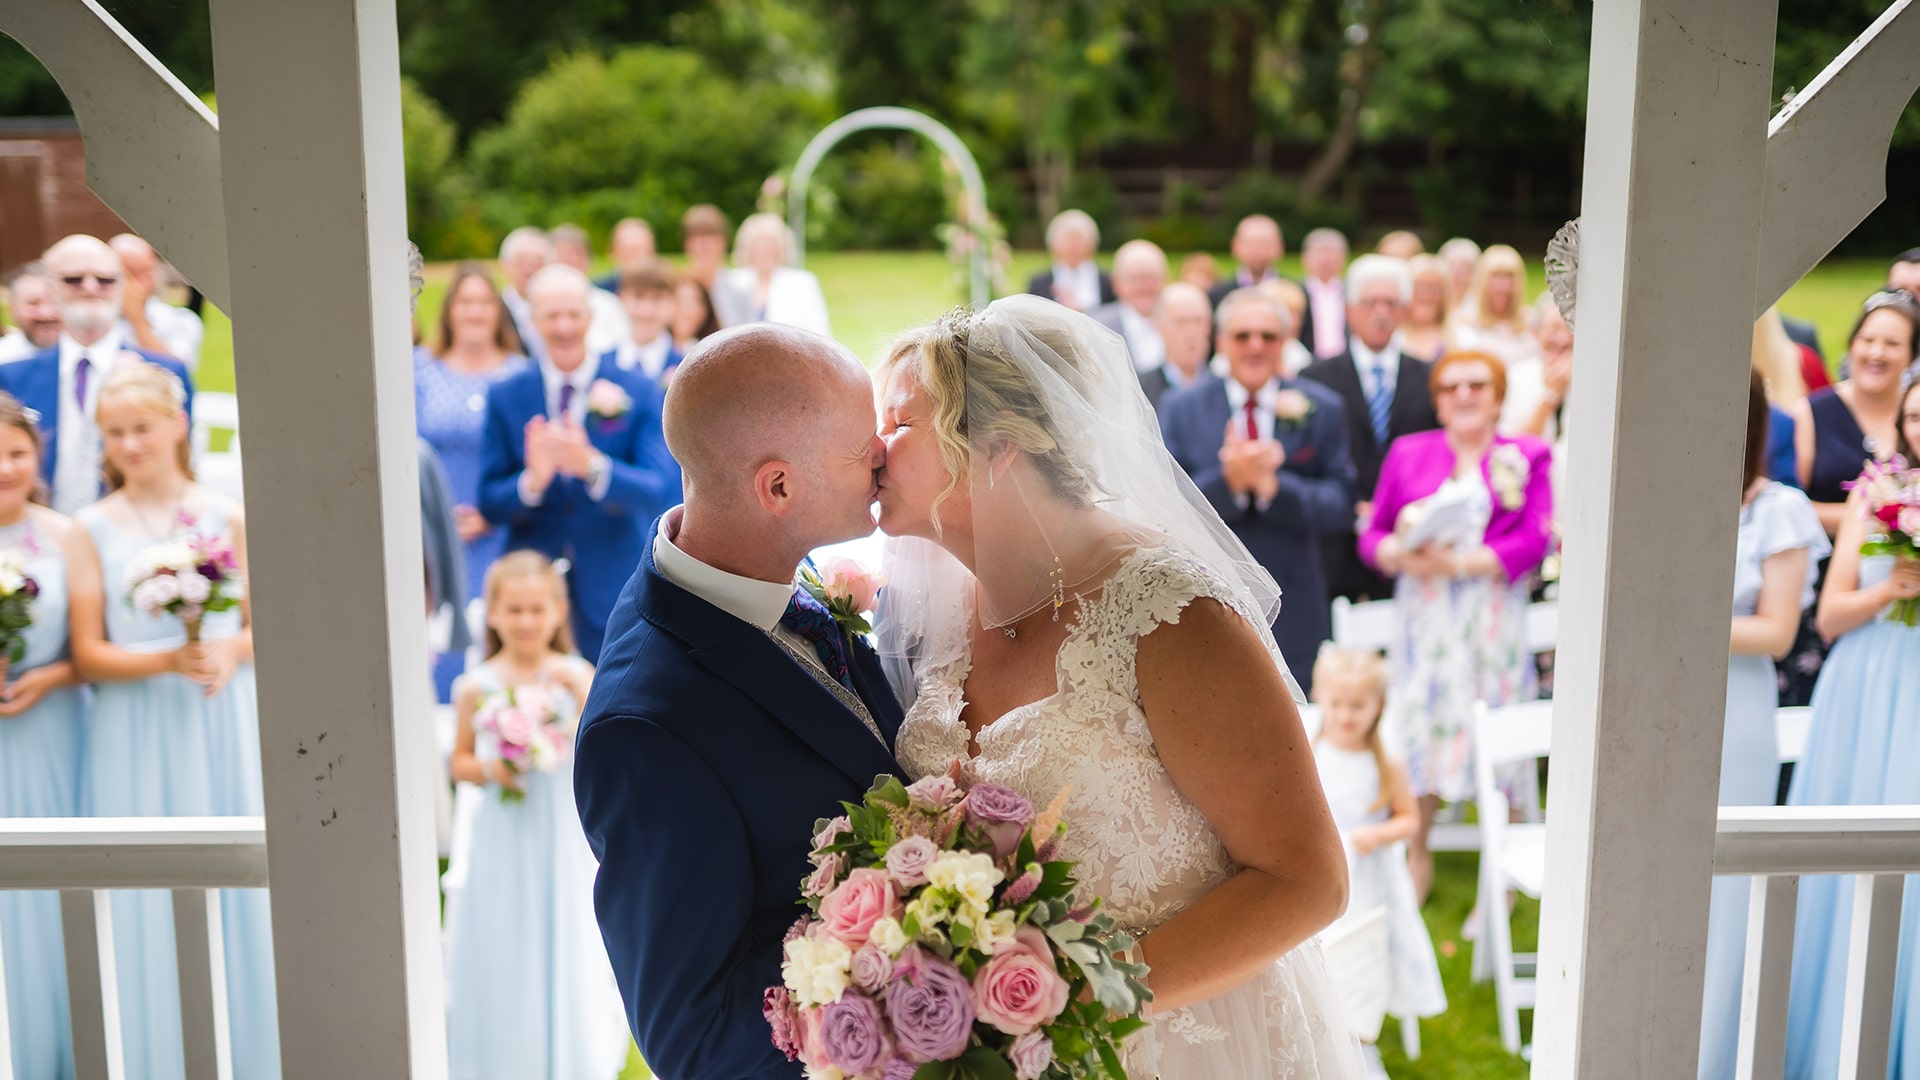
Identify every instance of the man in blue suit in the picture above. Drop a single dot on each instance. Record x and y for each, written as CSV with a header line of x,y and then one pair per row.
x,y
574,465
1271,454
62,382
730,713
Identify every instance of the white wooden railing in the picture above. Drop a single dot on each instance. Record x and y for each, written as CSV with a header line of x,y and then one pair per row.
x,y
82,858
1879,845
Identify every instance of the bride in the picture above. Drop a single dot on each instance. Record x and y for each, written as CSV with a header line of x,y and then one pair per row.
x,y
1066,611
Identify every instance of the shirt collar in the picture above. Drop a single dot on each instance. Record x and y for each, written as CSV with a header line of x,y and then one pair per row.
x,y
580,378
1237,393
752,601
101,354
1365,358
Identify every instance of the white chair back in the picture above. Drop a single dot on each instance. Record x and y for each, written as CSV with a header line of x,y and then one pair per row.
x,y
1372,625
1791,726
1512,856
1543,626
213,410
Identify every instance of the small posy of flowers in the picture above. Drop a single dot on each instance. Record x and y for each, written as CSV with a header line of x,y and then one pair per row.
x,y
189,577
608,401
1292,407
1509,469
945,940
848,590
1890,500
18,591
533,733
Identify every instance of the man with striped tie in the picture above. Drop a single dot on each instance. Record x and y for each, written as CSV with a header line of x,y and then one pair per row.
x,y
1386,395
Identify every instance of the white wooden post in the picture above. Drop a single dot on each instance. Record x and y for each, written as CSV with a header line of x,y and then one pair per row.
x,y
1677,115
316,232
93,984
1771,903
1873,942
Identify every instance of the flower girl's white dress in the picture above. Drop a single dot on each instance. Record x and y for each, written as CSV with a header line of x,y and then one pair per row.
x,y
1138,841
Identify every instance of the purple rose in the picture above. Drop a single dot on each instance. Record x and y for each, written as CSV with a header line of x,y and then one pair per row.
x,y
899,1069
852,1035
777,1007
210,570
908,859
1000,812
930,1006
933,792
825,876
1030,1054
872,967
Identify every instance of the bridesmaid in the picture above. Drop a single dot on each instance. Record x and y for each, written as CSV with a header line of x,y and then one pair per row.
x,y
42,727
530,993
1775,562
175,730
1864,743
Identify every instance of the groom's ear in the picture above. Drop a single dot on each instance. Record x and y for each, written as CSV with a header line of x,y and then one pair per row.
x,y
776,485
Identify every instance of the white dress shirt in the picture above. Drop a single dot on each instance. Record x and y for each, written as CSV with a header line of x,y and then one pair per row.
x,y
581,379
1143,340
180,331
1082,283
650,358
1263,419
1328,302
609,326
76,475
522,313
1365,360
15,346
757,603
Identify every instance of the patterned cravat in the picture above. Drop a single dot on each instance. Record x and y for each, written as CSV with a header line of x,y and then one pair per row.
x,y
81,371
1380,404
810,619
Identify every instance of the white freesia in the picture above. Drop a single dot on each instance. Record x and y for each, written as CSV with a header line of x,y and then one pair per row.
x,y
817,972
994,932
969,875
888,935
825,1072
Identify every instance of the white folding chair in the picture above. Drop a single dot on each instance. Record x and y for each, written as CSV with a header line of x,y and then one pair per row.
x,y
213,410
1370,625
1791,726
1543,626
1512,855
1357,952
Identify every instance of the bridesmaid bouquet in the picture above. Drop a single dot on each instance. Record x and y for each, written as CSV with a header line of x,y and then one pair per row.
x,y
188,577
1890,492
17,593
533,732
945,942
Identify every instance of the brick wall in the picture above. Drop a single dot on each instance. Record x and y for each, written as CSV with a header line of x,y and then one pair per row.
x,y
43,190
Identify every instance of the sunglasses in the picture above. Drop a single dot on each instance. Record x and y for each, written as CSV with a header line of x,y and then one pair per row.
x,y
105,281
1472,385
1244,336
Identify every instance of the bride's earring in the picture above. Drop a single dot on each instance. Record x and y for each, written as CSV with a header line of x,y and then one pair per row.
x,y
1059,576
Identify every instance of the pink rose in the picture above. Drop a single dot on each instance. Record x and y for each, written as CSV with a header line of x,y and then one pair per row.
x,y
872,967
607,400
1030,1055
828,872
514,727
848,913
1910,521
1019,989
830,830
908,859
811,1052
933,792
843,577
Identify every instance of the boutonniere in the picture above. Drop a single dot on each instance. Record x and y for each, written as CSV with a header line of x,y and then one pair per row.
x,y
1292,407
607,402
1509,469
847,590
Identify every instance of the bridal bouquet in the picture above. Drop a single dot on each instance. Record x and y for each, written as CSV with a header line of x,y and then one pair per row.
x,y
946,942
187,577
17,593
1890,492
533,733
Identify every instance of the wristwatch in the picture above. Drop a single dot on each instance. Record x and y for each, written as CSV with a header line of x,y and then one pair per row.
x,y
596,470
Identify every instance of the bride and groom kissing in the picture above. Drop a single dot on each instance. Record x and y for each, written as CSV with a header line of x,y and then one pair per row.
x,y
1064,611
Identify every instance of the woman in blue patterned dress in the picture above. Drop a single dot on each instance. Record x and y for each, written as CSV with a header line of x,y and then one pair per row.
x,y
43,715
175,728
475,348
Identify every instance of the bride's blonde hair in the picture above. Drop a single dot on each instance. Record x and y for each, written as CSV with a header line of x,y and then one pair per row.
x,y
969,373
156,390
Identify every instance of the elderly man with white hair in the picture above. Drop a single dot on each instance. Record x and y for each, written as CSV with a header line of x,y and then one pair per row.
x,y
1386,395
1139,274
36,319
149,321
522,253
62,381
1073,279
1184,320
574,464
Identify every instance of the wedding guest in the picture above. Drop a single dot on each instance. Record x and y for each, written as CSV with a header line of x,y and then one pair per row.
x,y
1865,739
1257,249
1200,271
474,348
1073,279
705,233
1294,355
1782,345
62,382
1184,321
1139,274
1904,274
1323,328
771,290
1775,561
148,320
1460,255
1836,430
1385,395
1401,244
1494,318
175,729
1463,590
31,306
1424,333
1776,360
573,462
647,293
1373,805
43,718
631,247
1270,454
524,251
608,329
530,993
693,316
1537,389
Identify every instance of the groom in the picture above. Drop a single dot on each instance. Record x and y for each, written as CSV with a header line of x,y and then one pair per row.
x,y
729,712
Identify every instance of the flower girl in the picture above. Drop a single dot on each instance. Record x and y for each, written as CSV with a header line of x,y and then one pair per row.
x,y
1372,803
530,992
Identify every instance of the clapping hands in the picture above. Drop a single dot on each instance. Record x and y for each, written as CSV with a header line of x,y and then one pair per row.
x,y
1251,466
556,448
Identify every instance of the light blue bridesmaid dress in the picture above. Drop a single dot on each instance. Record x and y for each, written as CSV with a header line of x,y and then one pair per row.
x,y
1863,750
40,777
161,747
530,993
1776,520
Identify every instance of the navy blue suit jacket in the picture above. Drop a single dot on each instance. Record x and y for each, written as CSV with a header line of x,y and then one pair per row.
x,y
705,756
602,540
35,383
1316,496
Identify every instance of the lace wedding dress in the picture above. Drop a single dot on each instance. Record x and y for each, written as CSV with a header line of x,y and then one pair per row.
x,y
1139,842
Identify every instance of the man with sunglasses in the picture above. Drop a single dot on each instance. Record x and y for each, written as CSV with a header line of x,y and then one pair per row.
x,y
62,381
1270,453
